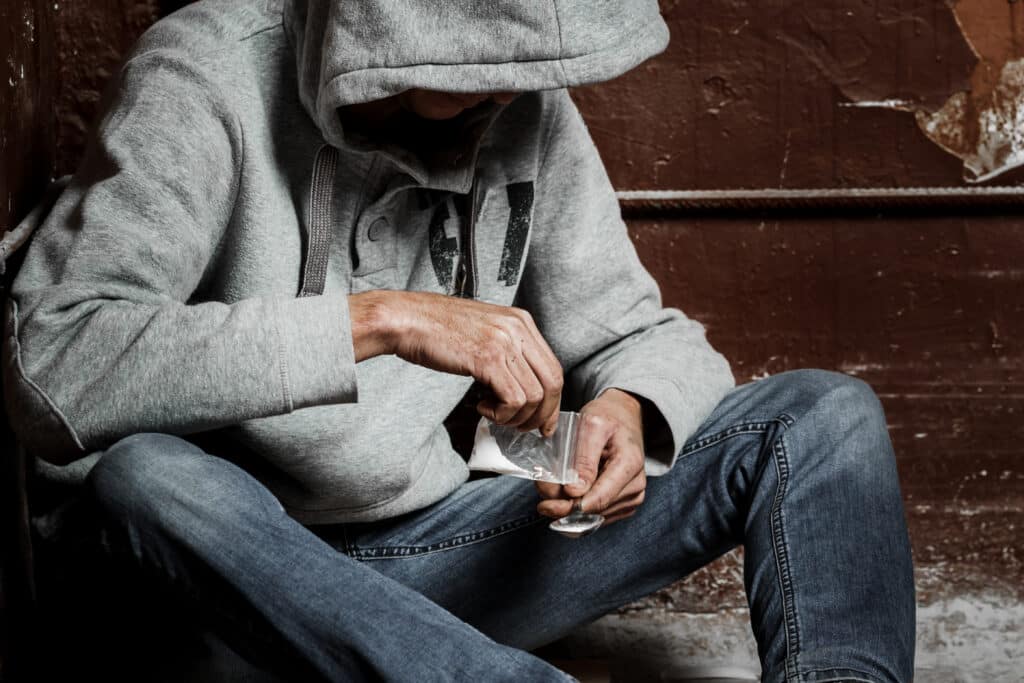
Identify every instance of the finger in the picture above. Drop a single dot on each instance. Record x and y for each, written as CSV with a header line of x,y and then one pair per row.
x,y
548,370
631,495
508,396
594,434
556,508
625,504
545,417
637,485
548,490
545,367
532,390
618,518
619,470
549,427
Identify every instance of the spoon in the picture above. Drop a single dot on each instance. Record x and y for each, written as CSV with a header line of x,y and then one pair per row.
x,y
577,523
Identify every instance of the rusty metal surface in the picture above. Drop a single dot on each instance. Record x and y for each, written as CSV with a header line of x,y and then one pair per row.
x,y
930,311
982,125
826,202
91,40
26,113
57,59
786,93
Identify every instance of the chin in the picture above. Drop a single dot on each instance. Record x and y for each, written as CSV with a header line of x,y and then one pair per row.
x,y
440,113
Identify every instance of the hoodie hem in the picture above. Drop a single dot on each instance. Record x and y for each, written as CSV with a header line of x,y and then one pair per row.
x,y
44,400
413,498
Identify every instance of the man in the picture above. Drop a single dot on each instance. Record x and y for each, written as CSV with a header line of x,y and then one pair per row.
x,y
308,230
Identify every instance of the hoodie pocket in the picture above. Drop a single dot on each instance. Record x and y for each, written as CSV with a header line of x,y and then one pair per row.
x,y
502,240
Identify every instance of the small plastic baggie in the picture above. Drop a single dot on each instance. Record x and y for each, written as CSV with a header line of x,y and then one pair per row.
x,y
528,455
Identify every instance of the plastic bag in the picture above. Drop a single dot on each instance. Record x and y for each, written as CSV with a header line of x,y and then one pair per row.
x,y
528,455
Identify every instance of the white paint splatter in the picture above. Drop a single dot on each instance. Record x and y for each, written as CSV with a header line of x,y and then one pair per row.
x,y
904,105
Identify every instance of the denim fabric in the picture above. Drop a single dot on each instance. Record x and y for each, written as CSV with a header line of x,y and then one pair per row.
x,y
798,468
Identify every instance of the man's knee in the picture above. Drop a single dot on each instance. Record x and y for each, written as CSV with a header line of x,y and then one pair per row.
x,y
143,472
833,397
844,425
163,481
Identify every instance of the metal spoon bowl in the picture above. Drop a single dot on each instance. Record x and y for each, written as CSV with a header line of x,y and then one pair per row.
x,y
577,523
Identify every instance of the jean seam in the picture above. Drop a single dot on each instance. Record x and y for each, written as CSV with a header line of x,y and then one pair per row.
x,y
781,550
758,427
401,552
718,437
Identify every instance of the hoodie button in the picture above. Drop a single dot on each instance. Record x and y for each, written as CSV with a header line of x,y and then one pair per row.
x,y
377,229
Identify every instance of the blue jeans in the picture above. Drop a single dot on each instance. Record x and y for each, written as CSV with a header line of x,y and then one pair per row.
x,y
798,468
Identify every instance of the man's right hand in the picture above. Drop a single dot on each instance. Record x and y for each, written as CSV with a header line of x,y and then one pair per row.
x,y
499,346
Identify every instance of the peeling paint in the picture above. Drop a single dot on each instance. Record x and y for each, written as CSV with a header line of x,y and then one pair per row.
x,y
985,130
983,125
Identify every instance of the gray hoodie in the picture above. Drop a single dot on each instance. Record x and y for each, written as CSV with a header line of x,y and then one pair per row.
x,y
193,277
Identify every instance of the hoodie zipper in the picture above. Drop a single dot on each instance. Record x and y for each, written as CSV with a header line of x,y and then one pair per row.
x,y
465,279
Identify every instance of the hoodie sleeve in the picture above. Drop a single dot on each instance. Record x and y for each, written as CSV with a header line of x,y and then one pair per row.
x,y
103,338
597,306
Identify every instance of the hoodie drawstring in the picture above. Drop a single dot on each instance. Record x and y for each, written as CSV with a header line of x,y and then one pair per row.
x,y
321,204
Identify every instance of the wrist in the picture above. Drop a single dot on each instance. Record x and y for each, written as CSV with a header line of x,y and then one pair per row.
x,y
623,399
374,324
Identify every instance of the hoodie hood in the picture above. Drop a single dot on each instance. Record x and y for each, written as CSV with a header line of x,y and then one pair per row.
x,y
352,51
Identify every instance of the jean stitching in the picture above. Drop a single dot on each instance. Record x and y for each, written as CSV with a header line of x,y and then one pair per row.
x,y
396,552
736,430
759,427
782,560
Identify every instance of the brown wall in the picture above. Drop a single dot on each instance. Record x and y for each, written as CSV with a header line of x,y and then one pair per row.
x,y
26,109
928,307
759,94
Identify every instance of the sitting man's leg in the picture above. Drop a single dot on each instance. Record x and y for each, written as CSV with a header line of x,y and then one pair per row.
x,y
272,587
798,468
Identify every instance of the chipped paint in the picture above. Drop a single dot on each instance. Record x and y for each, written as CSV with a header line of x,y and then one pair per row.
x,y
982,125
984,129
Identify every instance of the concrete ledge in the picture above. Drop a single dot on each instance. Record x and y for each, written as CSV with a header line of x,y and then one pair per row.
x,y
673,635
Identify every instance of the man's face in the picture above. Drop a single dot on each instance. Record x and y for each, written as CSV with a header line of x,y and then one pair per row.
x,y
441,106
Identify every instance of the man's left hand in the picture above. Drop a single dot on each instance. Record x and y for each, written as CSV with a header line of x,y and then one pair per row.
x,y
609,461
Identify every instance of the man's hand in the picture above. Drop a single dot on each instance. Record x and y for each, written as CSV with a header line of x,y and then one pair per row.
x,y
609,460
499,346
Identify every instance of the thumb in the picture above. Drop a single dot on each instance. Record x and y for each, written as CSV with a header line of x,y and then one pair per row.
x,y
594,433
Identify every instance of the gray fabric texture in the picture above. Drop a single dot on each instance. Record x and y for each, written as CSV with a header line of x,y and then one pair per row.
x,y
160,293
